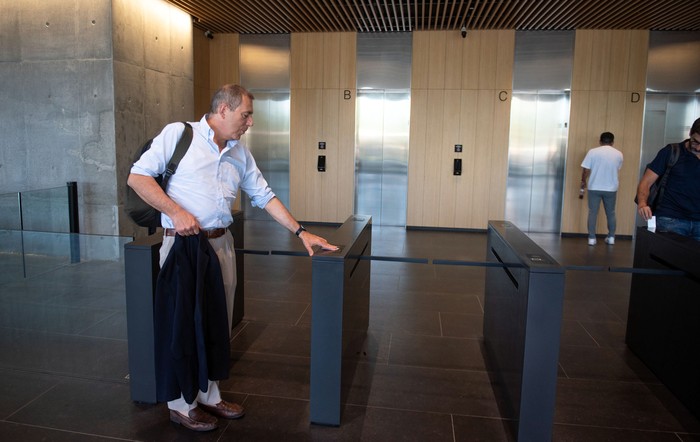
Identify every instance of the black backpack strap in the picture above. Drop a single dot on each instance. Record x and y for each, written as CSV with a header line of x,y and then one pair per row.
x,y
672,159
180,150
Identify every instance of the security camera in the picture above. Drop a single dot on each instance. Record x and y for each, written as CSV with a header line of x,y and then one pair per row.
x,y
463,31
209,34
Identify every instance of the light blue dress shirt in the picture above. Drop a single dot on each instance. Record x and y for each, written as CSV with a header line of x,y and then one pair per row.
x,y
207,181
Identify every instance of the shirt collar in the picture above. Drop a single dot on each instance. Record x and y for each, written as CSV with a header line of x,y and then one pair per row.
x,y
230,144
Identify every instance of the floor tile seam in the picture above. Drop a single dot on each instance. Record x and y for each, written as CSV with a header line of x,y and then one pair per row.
x,y
249,395
478,416
66,375
301,316
101,321
588,333
70,307
238,332
253,298
62,430
72,335
261,353
36,398
37,275
561,367
643,430
415,410
598,380
432,367
600,347
423,335
287,323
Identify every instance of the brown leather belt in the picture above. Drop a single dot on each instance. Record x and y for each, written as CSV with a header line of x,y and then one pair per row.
x,y
211,234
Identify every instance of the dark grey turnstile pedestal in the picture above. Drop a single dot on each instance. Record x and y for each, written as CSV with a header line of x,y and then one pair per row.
x,y
141,267
663,322
141,271
339,303
522,322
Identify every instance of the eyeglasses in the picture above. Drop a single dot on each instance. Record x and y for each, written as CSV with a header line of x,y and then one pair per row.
x,y
694,142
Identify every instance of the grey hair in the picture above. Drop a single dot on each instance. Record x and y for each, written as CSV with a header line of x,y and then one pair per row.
x,y
229,94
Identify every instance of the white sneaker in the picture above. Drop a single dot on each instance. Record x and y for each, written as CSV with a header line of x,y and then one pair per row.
x,y
592,241
610,240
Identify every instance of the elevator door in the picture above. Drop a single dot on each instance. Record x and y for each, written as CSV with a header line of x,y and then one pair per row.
x,y
381,160
383,110
268,140
536,161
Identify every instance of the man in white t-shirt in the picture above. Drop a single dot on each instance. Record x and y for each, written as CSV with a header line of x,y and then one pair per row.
x,y
601,167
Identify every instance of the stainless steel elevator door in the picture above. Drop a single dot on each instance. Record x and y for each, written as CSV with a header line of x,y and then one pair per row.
x,y
268,140
264,65
381,155
536,161
382,126
539,129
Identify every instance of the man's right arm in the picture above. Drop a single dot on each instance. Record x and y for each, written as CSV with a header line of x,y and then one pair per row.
x,y
645,183
148,189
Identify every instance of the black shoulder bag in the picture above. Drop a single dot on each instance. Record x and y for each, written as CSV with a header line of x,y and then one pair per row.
x,y
140,211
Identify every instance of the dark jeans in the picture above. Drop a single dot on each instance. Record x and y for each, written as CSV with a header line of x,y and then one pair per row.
x,y
594,199
680,226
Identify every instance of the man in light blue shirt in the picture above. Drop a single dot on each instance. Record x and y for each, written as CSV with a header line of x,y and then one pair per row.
x,y
200,197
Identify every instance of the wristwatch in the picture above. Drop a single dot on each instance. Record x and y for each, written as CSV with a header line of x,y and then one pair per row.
x,y
299,230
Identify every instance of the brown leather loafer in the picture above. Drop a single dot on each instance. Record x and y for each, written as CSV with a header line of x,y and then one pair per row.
x,y
198,420
227,410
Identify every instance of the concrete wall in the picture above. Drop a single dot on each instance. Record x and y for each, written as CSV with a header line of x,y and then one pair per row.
x,y
83,83
153,81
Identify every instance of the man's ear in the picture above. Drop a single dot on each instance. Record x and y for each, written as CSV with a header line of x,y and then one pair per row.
x,y
222,110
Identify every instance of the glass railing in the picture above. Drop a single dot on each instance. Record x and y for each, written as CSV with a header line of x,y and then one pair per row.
x,y
28,254
43,210
39,233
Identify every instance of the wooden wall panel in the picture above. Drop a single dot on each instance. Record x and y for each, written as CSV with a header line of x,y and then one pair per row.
x,y
313,124
345,197
455,100
471,50
315,62
601,61
431,163
469,110
201,75
223,67
328,182
607,95
331,61
418,136
323,109
488,60
224,61
420,61
453,62
450,136
348,69
436,57
297,61
505,57
482,159
638,56
620,53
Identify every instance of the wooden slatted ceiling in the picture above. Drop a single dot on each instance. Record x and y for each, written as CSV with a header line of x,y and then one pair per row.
x,y
287,16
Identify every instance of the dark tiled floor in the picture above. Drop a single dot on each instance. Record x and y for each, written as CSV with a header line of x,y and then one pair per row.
x,y
422,376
